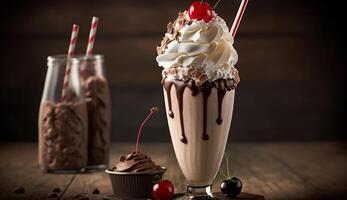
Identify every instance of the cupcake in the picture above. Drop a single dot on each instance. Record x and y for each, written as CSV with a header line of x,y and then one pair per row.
x,y
135,174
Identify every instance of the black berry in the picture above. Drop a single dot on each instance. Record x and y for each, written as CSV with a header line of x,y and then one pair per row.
x,y
231,187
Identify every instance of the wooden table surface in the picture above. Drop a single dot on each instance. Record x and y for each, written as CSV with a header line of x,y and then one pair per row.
x,y
275,170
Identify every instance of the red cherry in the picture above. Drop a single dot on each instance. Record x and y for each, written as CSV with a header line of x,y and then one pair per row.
x,y
200,11
163,190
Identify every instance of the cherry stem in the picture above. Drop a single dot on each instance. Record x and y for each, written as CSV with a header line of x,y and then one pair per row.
x,y
152,111
201,2
227,158
223,174
216,4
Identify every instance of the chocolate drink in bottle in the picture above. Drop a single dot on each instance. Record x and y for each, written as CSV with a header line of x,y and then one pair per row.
x,y
63,123
98,101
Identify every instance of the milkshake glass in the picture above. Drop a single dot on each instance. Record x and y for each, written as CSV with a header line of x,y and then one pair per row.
x,y
199,81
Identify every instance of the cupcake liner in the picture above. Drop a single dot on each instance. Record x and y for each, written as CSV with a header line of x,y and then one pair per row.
x,y
135,185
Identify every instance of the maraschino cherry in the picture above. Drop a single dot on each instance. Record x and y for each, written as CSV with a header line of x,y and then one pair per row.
x,y
163,190
200,11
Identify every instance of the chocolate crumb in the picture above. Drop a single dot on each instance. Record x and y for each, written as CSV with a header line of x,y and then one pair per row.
x,y
52,195
80,196
122,158
76,196
172,33
19,190
96,191
57,190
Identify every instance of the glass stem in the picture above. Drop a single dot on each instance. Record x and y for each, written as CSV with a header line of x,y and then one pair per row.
x,y
199,192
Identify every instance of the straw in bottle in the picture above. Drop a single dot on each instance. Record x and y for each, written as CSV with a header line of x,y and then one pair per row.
x,y
93,27
91,39
71,51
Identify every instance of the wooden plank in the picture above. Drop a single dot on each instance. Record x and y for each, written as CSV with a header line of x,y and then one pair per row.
x,y
267,76
294,115
270,177
250,162
323,166
161,153
85,184
259,60
275,170
219,195
19,168
260,172
125,18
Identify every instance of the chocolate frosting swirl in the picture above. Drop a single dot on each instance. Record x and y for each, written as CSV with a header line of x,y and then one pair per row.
x,y
136,162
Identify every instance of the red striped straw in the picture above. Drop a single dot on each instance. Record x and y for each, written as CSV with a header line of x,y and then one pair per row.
x,y
91,39
70,53
238,17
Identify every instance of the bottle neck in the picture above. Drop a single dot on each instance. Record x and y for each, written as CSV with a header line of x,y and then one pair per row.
x,y
92,67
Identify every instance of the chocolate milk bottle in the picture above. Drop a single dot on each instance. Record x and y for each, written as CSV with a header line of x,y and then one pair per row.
x,y
63,125
98,102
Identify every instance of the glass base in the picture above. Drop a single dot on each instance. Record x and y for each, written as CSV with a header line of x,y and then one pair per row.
x,y
198,193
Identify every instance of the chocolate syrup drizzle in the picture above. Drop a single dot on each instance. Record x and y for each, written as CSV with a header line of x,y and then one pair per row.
x,y
205,93
180,86
167,86
221,94
221,85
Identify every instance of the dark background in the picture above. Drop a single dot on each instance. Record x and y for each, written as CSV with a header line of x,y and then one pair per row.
x,y
291,63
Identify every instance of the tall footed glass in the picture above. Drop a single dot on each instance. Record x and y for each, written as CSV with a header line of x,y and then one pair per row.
x,y
198,61
199,120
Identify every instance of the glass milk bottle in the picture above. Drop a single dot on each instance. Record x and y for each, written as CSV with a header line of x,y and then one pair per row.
x,y
98,102
63,122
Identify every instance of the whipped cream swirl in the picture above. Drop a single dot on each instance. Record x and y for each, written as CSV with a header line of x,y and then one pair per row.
x,y
203,49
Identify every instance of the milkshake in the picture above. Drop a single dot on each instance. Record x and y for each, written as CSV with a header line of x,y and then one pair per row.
x,y
199,122
199,81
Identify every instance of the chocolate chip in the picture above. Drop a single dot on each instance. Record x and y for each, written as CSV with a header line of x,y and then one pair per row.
x,y
52,195
19,190
80,196
122,158
76,196
57,190
96,191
